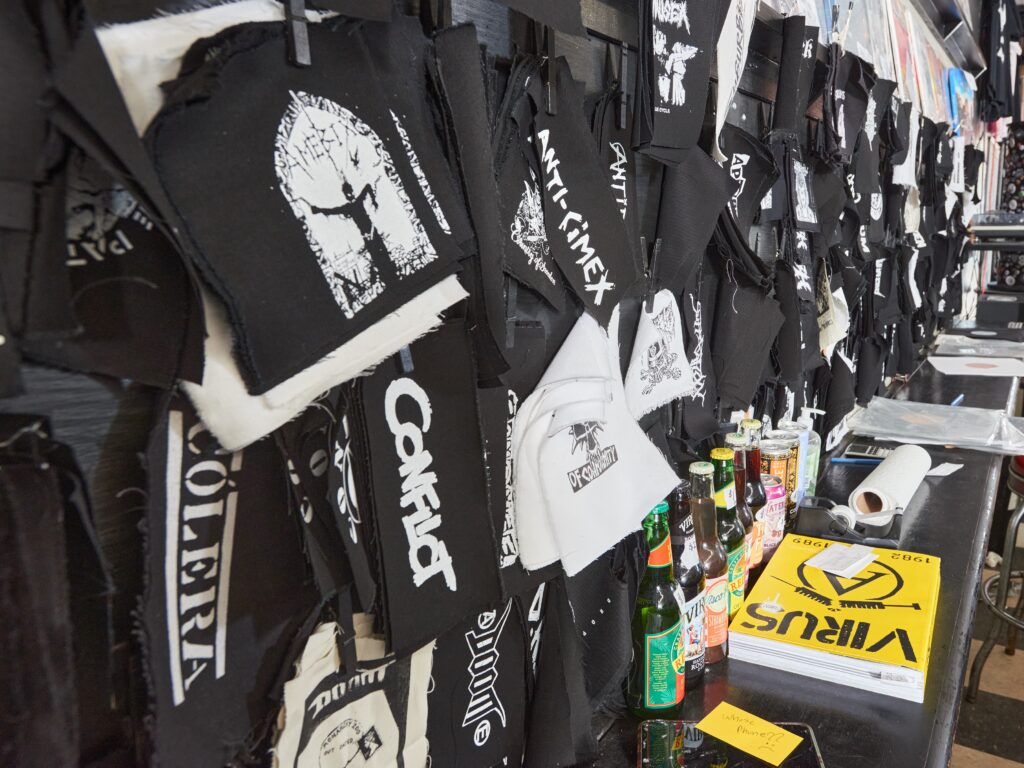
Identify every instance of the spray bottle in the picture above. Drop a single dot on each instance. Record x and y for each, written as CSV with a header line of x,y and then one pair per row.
x,y
813,448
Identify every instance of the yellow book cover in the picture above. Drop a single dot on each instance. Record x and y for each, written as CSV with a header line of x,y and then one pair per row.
x,y
884,614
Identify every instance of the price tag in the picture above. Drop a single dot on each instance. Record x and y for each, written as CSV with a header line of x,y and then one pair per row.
x,y
754,735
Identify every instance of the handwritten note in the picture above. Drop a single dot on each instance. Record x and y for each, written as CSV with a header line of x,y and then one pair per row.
x,y
755,736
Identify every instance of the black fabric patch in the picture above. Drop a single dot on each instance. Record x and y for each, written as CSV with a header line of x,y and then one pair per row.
x,y
348,494
460,79
563,15
227,589
616,142
141,316
305,442
739,347
498,407
333,205
429,490
584,226
527,249
477,705
37,602
559,730
693,195
121,12
752,167
602,597
677,43
697,302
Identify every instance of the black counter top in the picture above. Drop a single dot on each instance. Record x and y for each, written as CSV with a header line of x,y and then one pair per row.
x,y
949,517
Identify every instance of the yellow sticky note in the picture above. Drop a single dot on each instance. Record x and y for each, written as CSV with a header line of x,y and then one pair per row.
x,y
754,735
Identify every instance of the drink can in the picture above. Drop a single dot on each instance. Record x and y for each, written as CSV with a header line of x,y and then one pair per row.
x,y
802,432
792,443
773,513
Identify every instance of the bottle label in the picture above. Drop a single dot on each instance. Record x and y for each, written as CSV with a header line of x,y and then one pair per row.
x,y
737,560
756,541
693,616
725,498
661,555
716,611
773,515
662,687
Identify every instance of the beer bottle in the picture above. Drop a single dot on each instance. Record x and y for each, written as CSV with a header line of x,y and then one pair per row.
x,y
755,495
691,582
730,530
713,560
738,442
657,678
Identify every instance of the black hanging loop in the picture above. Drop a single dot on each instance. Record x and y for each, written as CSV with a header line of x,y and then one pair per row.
x,y
652,282
297,33
623,84
435,15
550,71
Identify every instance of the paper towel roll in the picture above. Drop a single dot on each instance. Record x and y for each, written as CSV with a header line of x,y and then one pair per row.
x,y
892,484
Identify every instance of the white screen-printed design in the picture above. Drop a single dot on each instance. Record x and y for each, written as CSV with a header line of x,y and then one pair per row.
x,y
659,361
801,179
341,183
667,16
528,230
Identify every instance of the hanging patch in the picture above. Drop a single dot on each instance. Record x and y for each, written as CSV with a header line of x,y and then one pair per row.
x,y
477,703
141,316
335,205
429,492
658,369
363,712
527,249
227,587
584,226
752,167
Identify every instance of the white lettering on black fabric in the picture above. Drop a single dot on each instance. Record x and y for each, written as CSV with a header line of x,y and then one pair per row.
x,y
483,675
202,499
342,185
418,484
594,273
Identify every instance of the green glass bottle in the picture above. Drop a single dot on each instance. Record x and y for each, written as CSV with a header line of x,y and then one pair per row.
x,y
730,529
657,678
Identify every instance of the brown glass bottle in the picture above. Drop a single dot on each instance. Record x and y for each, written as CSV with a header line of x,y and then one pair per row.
x,y
756,497
712,559
730,530
738,442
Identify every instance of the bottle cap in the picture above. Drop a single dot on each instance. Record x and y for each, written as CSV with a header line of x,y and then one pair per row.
x,y
736,440
702,468
722,453
660,508
751,424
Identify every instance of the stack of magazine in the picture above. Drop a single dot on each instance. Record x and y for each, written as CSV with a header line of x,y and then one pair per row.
x,y
871,631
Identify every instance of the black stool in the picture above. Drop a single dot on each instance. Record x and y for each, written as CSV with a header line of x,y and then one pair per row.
x,y
1012,618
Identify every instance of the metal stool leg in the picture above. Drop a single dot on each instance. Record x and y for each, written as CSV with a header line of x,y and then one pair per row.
x,y
979,661
1004,584
1018,611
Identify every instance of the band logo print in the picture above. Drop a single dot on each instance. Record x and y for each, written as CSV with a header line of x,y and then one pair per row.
x,y
595,275
202,499
343,187
599,459
418,483
483,675
509,537
348,501
619,167
669,16
528,230
659,362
